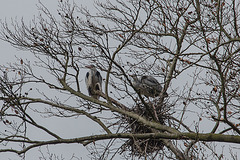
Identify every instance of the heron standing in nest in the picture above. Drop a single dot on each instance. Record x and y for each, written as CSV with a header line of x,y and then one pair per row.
x,y
147,86
93,81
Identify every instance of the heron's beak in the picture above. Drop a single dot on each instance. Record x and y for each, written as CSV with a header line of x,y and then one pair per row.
x,y
89,66
132,75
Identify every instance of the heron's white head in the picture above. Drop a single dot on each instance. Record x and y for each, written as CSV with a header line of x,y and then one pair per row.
x,y
134,77
135,81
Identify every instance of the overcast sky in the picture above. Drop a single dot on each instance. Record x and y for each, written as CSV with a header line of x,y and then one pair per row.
x,y
26,9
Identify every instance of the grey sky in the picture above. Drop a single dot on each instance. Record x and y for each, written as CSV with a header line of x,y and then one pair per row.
x,y
27,9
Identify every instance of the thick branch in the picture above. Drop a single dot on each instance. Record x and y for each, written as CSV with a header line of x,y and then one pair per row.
x,y
119,110
193,136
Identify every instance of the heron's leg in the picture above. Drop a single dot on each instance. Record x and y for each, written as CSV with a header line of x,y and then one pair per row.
x,y
153,110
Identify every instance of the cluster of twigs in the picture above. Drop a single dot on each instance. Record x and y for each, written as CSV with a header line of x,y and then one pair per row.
x,y
141,147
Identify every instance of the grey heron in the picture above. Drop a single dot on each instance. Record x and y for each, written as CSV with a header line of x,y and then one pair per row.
x,y
147,86
93,81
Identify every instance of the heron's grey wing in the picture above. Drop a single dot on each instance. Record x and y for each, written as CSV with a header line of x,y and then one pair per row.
x,y
87,79
152,86
99,77
88,83
99,80
149,80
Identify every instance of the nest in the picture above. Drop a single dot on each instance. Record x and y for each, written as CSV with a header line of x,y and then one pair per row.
x,y
157,111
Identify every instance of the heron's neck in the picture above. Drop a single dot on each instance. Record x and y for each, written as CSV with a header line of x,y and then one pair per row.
x,y
93,71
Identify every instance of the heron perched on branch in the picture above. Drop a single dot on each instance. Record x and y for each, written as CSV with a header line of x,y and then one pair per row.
x,y
93,81
147,86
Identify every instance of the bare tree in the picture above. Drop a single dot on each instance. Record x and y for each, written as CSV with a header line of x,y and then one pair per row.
x,y
191,47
